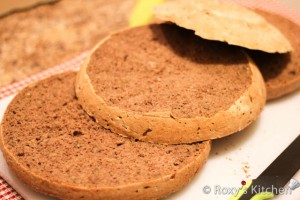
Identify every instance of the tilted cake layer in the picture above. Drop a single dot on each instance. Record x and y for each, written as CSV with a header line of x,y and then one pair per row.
x,y
226,22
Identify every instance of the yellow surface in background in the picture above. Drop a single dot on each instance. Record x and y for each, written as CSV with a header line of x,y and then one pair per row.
x,y
142,12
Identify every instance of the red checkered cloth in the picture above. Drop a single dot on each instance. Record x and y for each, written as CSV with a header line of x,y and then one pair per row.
x,y
73,64
6,191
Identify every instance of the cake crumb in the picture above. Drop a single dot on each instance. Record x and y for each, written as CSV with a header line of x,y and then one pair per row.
x,y
228,158
246,168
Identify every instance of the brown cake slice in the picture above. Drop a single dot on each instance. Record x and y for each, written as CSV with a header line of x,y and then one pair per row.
x,y
280,71
163,84
56,148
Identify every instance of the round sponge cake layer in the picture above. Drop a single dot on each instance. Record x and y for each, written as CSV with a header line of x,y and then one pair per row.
x,y
143,81
56,148
166,68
